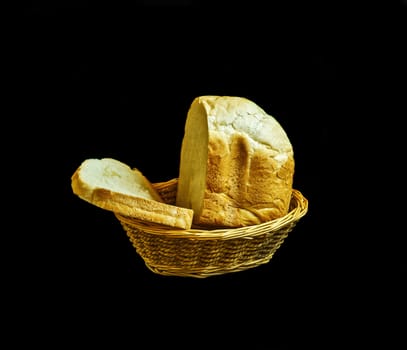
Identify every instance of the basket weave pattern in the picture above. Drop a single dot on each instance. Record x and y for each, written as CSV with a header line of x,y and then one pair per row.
x,y
201,252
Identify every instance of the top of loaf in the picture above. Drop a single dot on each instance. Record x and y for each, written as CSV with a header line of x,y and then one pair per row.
x,y
229,114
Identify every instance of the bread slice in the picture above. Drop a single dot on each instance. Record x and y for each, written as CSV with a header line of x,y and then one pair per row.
x,y
236,164
112,185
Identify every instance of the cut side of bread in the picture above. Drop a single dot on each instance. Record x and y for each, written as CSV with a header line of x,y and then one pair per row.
x,y
236,163
112,185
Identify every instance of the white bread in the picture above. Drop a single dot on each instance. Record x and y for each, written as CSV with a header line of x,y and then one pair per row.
x,y
236,163
112,185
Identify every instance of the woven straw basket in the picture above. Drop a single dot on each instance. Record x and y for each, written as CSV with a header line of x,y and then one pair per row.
x,y
200,252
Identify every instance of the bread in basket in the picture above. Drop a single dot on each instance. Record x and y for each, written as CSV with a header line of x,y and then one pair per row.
x,y
232,205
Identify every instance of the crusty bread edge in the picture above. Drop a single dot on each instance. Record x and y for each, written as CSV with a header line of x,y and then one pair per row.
x,y
132,206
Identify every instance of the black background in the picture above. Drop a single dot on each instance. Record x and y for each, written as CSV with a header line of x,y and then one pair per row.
x,y
92,81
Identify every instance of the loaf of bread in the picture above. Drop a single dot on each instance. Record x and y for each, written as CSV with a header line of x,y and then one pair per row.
x,y
236,163
112,185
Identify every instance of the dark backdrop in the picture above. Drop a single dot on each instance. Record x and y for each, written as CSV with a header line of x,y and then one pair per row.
x,y
117,81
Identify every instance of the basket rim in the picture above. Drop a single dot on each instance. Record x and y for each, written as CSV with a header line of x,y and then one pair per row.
x,y
298,202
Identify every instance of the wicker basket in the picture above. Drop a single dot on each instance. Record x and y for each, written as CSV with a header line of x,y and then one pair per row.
x,y
200,252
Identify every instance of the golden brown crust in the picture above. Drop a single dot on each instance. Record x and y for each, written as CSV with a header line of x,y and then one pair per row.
x,y
242,188
143,209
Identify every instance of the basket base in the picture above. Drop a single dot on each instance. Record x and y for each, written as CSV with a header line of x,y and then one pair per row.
x,y
204,258
208,272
